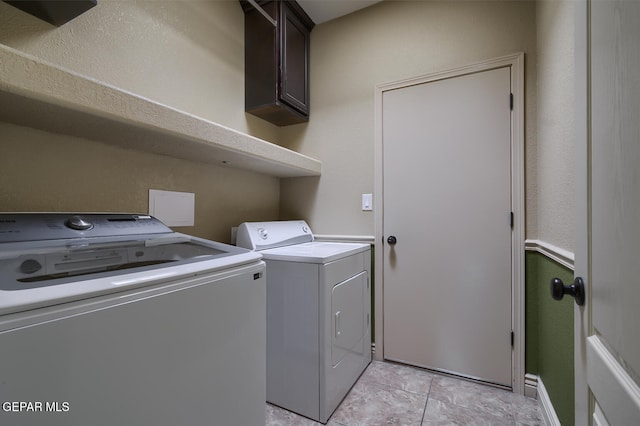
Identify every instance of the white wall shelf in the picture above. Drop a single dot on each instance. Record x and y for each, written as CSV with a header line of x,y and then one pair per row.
x,y
37,94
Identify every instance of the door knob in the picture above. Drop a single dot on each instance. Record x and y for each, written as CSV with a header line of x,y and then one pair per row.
x,y
392,240
575,290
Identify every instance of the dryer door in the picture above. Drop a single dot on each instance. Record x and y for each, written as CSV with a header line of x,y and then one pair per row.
x,y
349,319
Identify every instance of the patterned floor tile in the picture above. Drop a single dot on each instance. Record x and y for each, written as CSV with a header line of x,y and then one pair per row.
x,y
441,413
371,404
398,376
527,411
481,398
276,416
394,394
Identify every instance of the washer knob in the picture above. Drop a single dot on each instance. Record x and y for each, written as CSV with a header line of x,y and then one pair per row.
x,y
78,223
262,232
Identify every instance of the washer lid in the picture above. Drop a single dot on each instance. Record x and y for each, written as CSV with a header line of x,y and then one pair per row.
x,y
314,252
47,259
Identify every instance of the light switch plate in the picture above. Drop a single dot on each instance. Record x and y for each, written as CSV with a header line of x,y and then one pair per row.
x,y
172,208
367,202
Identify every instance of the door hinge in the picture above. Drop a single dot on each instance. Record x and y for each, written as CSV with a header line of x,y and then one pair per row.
x,y
511,101
512,338
511,219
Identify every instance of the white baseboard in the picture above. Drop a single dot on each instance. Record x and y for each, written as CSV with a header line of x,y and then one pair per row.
x,y
531,386
549,413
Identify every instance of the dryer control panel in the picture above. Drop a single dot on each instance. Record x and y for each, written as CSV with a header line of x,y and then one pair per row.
x,y
266,235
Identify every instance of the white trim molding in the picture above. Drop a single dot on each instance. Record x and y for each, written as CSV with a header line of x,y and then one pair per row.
x,y
618,394
531,385
549,413
557,254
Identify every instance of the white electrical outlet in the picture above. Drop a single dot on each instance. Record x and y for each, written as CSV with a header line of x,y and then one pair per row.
x,y
367,202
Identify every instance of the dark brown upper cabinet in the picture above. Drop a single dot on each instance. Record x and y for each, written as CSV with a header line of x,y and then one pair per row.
x,y
56,12
276,61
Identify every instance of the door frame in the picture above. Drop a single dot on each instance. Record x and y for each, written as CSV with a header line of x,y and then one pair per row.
x,y
583,404
516,62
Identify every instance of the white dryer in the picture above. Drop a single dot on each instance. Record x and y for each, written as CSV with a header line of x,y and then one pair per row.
x,y
318,315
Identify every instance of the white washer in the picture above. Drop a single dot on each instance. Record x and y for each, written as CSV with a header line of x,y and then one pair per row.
x,y
318,315
113,319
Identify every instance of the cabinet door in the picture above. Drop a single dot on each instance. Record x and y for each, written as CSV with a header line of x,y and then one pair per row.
x,y
294,60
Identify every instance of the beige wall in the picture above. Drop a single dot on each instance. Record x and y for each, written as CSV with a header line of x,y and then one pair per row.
x,y
47,172
556,123
390,41
189,55
185,54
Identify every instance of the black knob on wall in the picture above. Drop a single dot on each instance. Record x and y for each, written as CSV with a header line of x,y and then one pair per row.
x,y
392,240
575,290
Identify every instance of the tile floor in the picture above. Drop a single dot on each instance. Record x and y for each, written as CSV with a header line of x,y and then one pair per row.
x,y
394,394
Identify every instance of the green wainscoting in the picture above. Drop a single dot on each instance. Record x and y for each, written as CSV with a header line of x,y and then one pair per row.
x,y
549,333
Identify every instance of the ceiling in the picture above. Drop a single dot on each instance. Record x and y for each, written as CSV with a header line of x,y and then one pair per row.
x,y
325,10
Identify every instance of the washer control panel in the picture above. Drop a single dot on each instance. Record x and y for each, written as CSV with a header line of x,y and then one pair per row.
x,y
266,235
19,227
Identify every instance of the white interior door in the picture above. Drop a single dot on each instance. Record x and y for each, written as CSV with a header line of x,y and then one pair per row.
x,y
607,254
447,201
